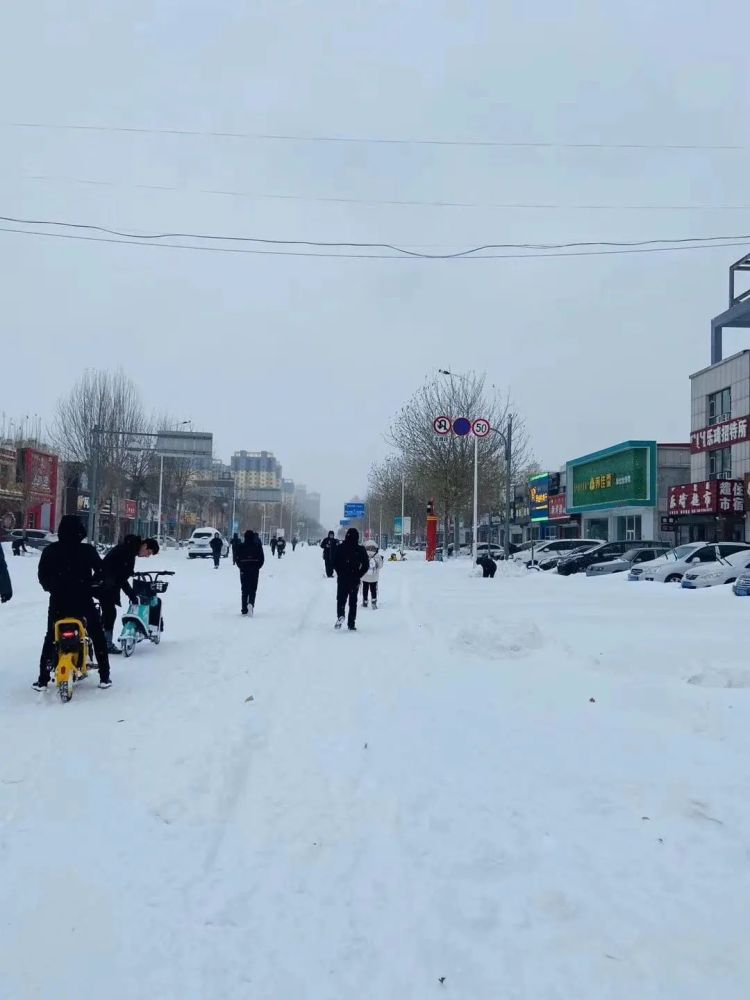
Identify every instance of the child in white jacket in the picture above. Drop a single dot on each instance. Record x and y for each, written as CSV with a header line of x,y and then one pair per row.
x,y
370,579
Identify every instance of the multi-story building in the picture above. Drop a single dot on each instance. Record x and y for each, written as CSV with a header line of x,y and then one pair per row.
x,y
256,470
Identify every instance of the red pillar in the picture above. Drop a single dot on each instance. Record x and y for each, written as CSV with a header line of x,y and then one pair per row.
x,y
432,532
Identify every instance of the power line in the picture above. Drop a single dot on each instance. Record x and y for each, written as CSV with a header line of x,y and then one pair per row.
x,y
366,245
381,140
360,256
439,203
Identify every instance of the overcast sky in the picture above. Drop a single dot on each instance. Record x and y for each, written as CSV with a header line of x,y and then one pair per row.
x,y
310,358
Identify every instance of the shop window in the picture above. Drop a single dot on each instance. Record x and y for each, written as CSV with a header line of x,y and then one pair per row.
x,y
598,528
719,406
720,463
629,528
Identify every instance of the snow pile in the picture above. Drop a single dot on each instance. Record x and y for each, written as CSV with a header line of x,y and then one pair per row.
x,y
267,808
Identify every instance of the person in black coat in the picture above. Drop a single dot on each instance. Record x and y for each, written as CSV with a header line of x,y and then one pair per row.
x,y
71,573
329,546
217,546
280,547
351,562
235,543
273,544
6,590
249,560
488,564
118,566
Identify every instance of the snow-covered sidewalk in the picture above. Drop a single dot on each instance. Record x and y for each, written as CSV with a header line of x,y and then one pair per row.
x,y
529,787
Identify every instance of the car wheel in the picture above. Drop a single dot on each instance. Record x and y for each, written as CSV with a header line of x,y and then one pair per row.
x,y
673,578
190,555
733,580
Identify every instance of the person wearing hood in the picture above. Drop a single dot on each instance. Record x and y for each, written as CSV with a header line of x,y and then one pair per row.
x,y
249,560
6,590
329,546
273,545
71,573
371,577
280,546
118,566
351,563
217,547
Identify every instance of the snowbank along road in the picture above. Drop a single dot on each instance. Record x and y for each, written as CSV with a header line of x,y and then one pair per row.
x,y
529,787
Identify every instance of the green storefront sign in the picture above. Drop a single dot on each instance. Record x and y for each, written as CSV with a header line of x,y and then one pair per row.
x,y
622,476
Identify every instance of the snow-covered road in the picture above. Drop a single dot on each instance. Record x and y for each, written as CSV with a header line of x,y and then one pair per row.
x,y
527,788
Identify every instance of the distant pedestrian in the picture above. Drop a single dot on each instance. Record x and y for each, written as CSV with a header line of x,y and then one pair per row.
x,y
274,543
351,563
280,547
217,547
249,559
18,545
294,543
372,576
329,546
488,564
6,591
236,541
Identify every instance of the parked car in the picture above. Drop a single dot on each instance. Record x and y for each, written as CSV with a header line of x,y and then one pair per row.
x,y
674,564
199,544
552,548
579,562
496,551
726,570
633,557
36,538
741,586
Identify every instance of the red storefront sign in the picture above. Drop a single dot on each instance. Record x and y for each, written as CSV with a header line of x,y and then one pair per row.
x,y
40,475
129,509
720,435
715,496
558,507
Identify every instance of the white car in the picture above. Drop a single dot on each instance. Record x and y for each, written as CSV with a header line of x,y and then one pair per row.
x,y
199,544
727,570
673,565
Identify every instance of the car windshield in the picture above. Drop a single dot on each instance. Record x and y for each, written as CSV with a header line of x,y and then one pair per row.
x,y
681,552
203,534
630,555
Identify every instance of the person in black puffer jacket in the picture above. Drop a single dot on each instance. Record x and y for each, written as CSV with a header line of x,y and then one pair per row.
x,y
351,562
6,590
250,558
118,566
71,573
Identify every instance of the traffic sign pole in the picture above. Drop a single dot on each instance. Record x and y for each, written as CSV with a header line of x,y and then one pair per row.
x,y
476,495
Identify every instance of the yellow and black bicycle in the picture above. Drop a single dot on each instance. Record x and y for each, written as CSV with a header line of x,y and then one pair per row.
x,y
74,655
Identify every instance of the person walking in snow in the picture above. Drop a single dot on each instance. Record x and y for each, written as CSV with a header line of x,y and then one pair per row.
x,y
217,546
6,590
118,566
372,576
249,559
294,543
280,547
489,567
274,543
19,544
71,573
351,563
329,546
234,544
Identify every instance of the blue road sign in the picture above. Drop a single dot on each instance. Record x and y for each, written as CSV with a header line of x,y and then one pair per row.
x,y
461,426
344,521
354,510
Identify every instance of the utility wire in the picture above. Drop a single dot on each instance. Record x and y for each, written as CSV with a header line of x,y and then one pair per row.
x,y
366,245
390,201
381,140
360,256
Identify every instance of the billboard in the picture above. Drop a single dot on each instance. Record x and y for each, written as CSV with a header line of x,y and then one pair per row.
x,y
622,476
715,496
558,507
184,444
539,497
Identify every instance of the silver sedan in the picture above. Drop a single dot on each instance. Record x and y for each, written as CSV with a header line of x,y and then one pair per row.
x,y
626,560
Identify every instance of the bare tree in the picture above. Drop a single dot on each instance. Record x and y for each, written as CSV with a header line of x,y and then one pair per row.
x,y
102,416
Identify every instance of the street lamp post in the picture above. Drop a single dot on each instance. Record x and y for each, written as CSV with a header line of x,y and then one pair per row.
x,y
507,439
